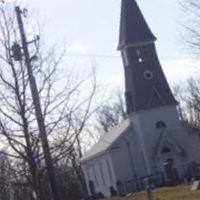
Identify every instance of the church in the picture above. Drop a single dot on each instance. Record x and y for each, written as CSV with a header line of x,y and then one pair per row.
x,y
152,141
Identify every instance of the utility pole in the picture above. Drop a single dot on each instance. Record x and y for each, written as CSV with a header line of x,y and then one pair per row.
x,y
148,186
38,110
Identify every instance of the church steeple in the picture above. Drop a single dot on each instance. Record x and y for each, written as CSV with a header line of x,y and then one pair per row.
x,y
133,28
145,83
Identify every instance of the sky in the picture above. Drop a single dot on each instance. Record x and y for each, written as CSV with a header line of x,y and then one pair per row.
x,y
90,30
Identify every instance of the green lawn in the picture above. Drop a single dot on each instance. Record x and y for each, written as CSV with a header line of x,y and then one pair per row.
x,y
171,193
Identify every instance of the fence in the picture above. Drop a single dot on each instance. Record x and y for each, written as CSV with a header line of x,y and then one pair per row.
x,y
137,184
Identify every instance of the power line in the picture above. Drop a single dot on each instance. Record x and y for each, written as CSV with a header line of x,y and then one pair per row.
x,y
119,57
92,55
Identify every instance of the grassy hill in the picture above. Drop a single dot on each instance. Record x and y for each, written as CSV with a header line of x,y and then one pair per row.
x,y
171,193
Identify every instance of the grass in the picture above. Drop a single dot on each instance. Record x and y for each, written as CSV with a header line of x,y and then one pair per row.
x,y
171,193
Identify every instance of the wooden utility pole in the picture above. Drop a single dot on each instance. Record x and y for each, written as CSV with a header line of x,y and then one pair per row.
x,y
38,110
148,187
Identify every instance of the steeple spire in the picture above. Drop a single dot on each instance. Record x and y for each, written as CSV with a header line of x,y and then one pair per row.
x,y
145,83
133,29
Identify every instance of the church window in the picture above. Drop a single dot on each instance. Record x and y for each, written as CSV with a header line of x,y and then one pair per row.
x,y
109,171
88,173
95,176
148,75
142,54
170,160
125,58
165,150
129,101
91,187
160,125
168,91
102,174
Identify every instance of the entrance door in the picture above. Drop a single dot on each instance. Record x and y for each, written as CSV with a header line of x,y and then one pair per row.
x,y
171,172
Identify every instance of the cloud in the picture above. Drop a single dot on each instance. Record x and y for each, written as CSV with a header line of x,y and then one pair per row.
x,y
180,69
78,49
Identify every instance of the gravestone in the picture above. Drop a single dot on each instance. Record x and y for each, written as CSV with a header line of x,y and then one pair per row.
x,y
120,188
195,185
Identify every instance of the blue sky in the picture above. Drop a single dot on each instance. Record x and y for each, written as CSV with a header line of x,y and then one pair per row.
x,y
91,27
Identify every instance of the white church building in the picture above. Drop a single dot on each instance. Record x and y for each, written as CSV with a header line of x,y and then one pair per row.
x,y
152,141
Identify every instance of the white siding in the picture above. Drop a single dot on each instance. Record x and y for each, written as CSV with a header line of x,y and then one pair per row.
x,y
99,172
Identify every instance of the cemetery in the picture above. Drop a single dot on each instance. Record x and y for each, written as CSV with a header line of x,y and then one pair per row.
x,y
183,192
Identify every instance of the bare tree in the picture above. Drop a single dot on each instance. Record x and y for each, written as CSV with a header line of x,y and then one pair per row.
x,y
189,98
112,112
191,26
66,108
5,177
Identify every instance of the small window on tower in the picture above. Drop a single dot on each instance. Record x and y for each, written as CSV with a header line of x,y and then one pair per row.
x,y
148,75
129,102
142,54
160,125
125,58
165,150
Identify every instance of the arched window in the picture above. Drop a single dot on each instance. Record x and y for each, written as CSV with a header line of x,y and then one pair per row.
x,y
165,150
129,101
170,160
160,124
142,54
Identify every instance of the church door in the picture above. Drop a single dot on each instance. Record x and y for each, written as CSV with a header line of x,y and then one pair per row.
x,y
92,187
171,172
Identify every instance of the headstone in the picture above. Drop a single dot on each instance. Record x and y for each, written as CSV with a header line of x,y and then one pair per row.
x,y
195,185
129,194
34,195
113,192
120,188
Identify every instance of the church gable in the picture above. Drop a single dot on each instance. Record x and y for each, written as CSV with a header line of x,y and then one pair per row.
x,y
166,145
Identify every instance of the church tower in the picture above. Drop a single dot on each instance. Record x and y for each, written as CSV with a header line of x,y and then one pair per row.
x,y
145,83
151,106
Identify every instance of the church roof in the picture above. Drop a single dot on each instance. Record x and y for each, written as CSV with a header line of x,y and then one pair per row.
x,y
133,29
106,140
